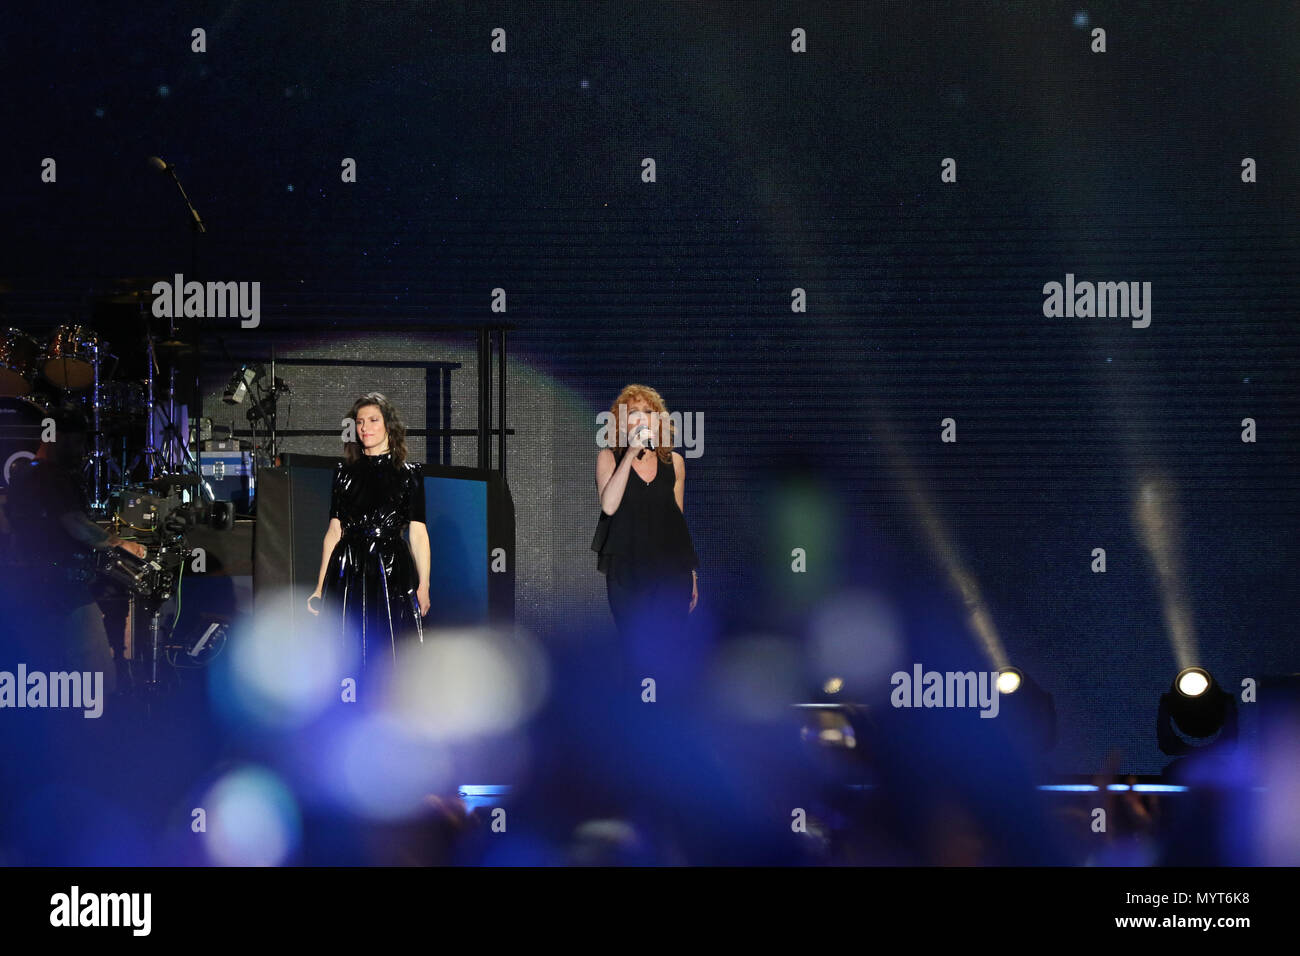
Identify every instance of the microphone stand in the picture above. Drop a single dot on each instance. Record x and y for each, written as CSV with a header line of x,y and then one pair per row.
x,y
197,222
197,228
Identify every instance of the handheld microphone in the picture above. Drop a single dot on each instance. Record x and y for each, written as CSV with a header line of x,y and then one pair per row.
x,y
647,441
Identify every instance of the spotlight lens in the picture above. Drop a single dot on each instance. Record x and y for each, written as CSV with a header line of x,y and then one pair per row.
x,y
1193,683
1008,682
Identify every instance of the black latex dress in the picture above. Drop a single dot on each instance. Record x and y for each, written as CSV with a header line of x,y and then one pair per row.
x,y
371,579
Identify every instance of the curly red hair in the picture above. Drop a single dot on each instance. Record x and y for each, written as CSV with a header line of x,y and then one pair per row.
x,y
644,394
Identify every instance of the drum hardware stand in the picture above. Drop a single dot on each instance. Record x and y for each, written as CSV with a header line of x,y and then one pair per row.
x,y
184,460
150,453
189,463
173,441
170,428
99,459
182,457
165,460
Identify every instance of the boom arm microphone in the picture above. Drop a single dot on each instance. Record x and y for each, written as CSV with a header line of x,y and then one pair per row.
x,y
160,164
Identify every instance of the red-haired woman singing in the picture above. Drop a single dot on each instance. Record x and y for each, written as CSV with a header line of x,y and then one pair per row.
x,y
645,548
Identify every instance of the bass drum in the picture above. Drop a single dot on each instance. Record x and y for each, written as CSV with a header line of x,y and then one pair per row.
x,y
20,431
19,353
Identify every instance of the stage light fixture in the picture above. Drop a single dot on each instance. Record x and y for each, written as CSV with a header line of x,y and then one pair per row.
x,y
1192,681
1009,680
1028,711
240,383
1195,714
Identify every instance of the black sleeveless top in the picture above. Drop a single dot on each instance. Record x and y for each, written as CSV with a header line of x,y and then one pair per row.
x,y
648,528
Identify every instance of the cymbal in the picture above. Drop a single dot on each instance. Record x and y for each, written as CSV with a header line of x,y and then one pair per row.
x,y
129,291
126,298
176,349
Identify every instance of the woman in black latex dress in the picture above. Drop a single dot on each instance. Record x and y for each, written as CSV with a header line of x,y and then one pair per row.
x,y
372,585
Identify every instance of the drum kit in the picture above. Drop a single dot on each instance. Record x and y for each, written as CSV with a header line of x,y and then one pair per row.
x,y
130,407
119,373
